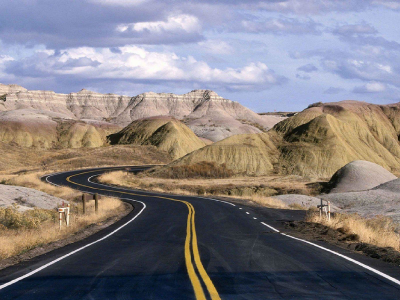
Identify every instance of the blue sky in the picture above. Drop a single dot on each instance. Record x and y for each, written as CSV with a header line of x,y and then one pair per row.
x,y
268,55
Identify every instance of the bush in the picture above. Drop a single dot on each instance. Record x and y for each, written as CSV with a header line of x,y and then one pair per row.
x,y
11,218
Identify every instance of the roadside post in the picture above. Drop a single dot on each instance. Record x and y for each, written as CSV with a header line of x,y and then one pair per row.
x,y
329,210
96,202
66,212
84,203
325,208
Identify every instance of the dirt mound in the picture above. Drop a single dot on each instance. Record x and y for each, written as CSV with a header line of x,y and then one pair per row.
x,y
166,133
359,175
46,129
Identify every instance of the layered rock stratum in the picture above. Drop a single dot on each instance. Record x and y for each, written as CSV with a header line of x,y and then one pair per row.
x,y
166,133
208,115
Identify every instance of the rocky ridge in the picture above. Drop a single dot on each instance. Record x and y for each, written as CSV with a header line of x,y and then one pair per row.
x,y
209,115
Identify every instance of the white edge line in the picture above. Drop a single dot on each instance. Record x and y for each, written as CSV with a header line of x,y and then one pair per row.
x,y
75,251
163,194
390,278
394,280
270,227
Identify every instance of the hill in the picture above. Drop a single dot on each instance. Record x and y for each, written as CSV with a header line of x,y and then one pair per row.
x,y
166,133
251,154
209,115
46,129
315,142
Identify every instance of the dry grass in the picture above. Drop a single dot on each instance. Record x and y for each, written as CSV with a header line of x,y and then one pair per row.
x,y
22,231
197,170
177,187
16,159
379,231
265,186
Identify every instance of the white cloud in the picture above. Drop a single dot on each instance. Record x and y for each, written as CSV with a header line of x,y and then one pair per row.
x,y
216,47
370,87
355,29
182,22
134,63
388,3
281,26
4,58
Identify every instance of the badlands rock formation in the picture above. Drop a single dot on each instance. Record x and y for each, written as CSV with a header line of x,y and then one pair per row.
x,y
251,154
359,175
46,129
207,114
166,133
315,142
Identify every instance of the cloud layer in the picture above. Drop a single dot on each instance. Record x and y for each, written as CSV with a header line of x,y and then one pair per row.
x,y
259,51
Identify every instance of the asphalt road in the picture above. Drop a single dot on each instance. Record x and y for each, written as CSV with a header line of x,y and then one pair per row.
x,y
180,247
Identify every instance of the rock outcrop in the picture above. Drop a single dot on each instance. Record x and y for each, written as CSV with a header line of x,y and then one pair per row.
x,y
166,133
207,114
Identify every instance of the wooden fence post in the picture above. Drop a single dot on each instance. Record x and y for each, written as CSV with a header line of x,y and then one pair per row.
x,y
84,203
96,202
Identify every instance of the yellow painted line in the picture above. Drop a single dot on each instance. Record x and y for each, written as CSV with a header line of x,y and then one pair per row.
x,y
203,273
198,290
190,231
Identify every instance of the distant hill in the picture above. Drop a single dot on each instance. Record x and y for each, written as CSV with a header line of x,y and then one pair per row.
x,y
166,133
315,142
45,129
206,113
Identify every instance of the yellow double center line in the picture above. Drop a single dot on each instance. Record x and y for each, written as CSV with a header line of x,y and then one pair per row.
x,y
191,240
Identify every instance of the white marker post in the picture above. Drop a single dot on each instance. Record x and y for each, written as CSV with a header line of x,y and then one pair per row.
x,y
66,212
325,208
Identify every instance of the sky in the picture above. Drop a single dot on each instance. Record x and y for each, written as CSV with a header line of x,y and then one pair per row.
x,y
268,55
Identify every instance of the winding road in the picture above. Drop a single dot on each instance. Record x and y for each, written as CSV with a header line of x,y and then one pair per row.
x,y
184,247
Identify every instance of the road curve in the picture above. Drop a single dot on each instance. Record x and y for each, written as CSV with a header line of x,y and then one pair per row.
x,y
182,247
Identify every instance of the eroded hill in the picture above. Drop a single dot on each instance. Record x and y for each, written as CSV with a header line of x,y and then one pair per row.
x,y
166,133
315,142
